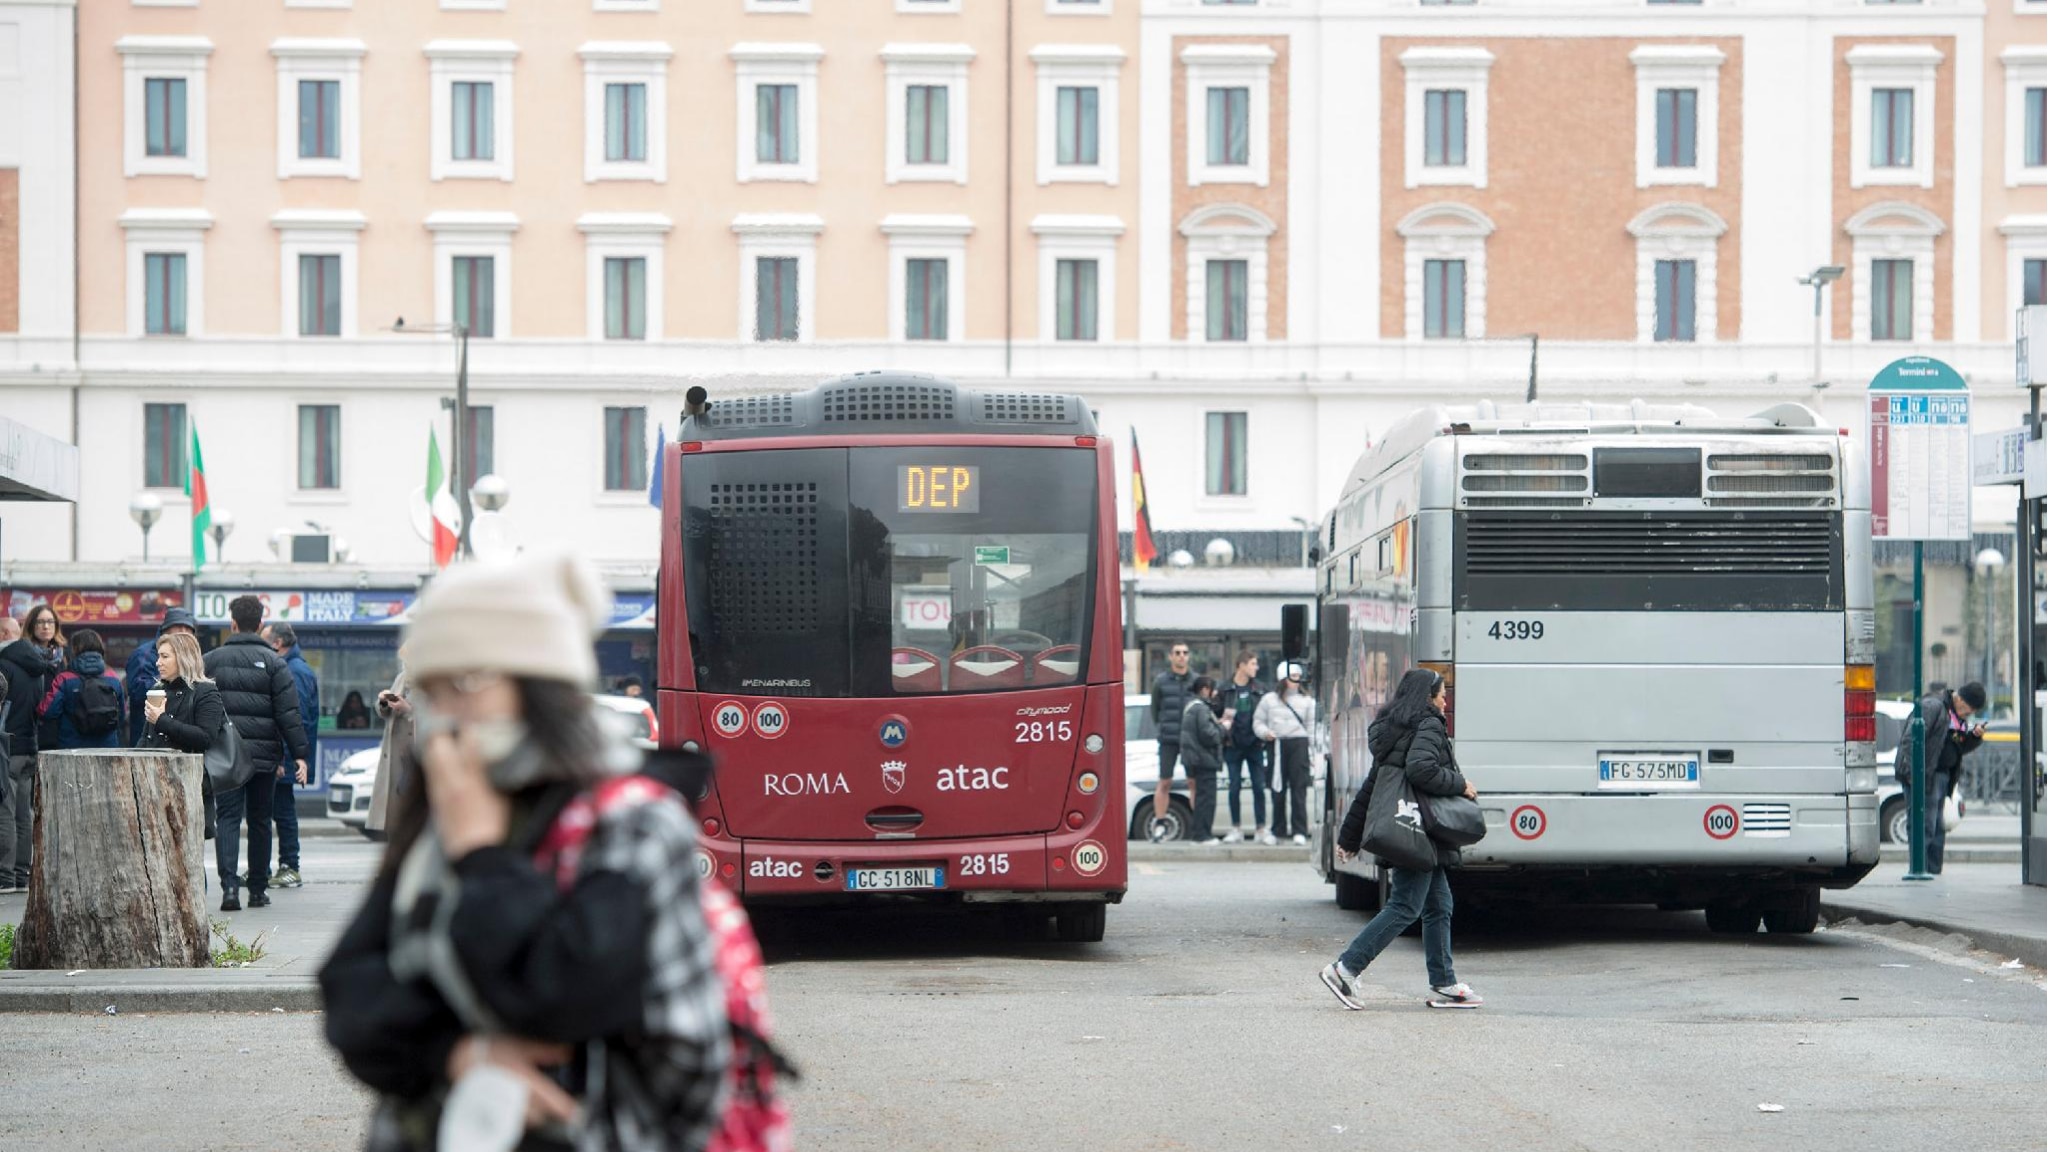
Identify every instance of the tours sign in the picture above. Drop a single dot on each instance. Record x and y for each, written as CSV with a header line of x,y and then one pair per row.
x,y
1919,452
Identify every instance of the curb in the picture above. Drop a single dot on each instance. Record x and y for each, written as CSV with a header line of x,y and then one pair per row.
x,y
1183,852
2031,950
73,997
1890,855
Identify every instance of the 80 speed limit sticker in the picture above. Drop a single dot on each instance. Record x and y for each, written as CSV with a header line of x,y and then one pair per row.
x,y
730,718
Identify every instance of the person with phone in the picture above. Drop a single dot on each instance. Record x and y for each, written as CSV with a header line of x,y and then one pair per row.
x,y
1950,736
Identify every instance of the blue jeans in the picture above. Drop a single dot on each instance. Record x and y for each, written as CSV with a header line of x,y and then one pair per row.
x,y
1414,892
1251,762
287,817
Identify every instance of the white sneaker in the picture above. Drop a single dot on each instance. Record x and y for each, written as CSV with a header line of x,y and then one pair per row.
x,y
1300,839
1459,993
1157,832
1268,839
1206,841
1233,837
1339,985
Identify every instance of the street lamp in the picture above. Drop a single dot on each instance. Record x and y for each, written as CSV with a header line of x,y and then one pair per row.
x,y
460,407
1821,277
1989,561
223,527
491,492
1306,530
146,509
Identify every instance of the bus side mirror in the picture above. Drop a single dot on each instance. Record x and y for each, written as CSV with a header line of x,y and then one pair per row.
x,y
1293,631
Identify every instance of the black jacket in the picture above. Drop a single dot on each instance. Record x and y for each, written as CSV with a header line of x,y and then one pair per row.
x,y
1935,709
193,715
1201,737
1170,696
258,691
1423,754
28,674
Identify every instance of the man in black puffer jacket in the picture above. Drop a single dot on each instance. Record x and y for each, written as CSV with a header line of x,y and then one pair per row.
x,y
264,705
1171,692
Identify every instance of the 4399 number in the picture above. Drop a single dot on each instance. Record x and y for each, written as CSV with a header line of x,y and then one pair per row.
x,y
1516,630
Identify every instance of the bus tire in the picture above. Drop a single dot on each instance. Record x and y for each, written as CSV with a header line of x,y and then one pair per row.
x,y
1800,920
1080,923
1356,893
1733,918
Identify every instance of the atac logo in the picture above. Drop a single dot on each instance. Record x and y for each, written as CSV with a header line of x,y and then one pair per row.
x,y
965,779
769,868
805,784
892,775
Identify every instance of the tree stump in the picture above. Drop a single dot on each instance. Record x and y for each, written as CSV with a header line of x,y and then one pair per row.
x,y
117,879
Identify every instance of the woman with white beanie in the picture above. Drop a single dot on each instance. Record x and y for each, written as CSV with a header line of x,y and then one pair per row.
x,y
507,984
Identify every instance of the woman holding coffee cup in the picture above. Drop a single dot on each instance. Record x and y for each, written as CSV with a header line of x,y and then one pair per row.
x,y
184,710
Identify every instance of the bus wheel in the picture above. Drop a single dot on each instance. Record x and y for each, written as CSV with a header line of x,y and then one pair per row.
x,y
1356,893
1733,918
1799,920
1080,923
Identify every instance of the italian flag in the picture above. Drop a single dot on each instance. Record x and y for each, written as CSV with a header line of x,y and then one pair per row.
x,y
441,505
202,508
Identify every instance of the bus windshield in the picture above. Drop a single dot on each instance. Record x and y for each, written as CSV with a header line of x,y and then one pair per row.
x,y
898,571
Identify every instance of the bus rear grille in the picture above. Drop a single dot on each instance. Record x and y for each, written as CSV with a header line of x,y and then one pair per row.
x,y
763,567
1024,408
752,412
1784,480
1654,544
875,403
1524,502
1761,819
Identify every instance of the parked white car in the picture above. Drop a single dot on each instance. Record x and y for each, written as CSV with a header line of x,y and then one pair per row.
x,y
1894,806
349,790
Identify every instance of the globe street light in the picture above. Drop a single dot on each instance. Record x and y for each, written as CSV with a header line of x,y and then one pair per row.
x,y
491,493
223,527
146,509
1989,561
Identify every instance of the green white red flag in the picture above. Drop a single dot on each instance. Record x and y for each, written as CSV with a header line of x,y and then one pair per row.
x,y
202,508
441,505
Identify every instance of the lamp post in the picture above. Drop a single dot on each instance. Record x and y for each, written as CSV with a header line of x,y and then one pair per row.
x,y
1818,280
459,426
1989,561
146,509
1306,528
223,527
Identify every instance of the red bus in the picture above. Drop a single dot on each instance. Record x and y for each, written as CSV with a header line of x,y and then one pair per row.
x,y
890,611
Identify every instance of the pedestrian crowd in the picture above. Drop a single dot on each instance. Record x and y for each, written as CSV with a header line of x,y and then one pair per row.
x,y
1259,736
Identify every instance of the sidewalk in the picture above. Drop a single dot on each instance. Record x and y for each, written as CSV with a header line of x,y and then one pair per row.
x,y
1984,903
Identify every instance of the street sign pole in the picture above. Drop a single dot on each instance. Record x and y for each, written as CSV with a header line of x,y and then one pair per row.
x,y
1916,731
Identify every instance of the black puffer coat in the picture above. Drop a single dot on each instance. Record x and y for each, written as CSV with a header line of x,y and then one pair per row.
x,y
1170,696
1423,753
258,691
28,674
1201,738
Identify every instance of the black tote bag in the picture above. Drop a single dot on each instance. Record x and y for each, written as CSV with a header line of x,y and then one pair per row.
x,y
1393,821
1453,821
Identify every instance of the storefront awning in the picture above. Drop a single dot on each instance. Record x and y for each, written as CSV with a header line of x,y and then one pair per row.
x,y
34,466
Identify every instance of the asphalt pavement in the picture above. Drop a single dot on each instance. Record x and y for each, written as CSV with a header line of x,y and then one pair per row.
x,y
1199,1024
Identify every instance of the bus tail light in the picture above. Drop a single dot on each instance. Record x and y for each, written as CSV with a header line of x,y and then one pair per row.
x,y
712,826
1859,703
1075,820
1449,671
1088,783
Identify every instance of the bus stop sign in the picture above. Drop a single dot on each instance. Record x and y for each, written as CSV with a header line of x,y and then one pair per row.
x,y
1919,452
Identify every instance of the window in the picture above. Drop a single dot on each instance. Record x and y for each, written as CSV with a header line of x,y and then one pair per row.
x,y
2034,281
924,124
924,306
480,442
1677,128
164,293
1227,115
1450,303
319,446
1228,306
2035,147
164,104
2026,113
163,446
1077,112
473,136
625,449
476,295
776,298
1223,474
926,86
1075,299
1230,126
1444,124
625,85
1077,7
1076,276
625,298
1077,131
1675,279
1891,128
319,119
778,112
1444,116
320,295
1443,299
1892,116
164,115
625,123
318,127
1891,300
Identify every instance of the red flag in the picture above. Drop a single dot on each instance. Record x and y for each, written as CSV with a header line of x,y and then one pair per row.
x,y
1143,551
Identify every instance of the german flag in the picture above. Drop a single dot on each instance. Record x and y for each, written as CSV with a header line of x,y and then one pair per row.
x,y
1143,551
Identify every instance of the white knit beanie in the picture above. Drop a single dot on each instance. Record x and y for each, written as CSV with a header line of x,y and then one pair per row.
x,y
536,616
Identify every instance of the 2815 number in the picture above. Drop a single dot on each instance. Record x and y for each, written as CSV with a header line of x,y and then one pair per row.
x,y
1516,630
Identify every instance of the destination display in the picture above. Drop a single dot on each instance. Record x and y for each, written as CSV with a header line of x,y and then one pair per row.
x,y
938,488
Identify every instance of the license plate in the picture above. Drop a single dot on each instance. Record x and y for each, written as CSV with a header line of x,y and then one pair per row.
x,y
339,797
895,879
1628,770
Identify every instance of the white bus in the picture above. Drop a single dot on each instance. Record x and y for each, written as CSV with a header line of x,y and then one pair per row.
x,y
1658,632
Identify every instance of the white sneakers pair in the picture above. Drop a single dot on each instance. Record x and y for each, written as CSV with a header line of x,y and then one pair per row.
x,y
1262,836
1344,986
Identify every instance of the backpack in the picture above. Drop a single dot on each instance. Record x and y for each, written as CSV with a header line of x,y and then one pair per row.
x,y
96,707
755,1118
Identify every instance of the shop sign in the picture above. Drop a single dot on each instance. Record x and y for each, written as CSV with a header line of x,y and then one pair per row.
x,y
86,607
336,608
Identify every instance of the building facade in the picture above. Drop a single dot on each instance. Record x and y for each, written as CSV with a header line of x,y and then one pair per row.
x,y
1253,234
